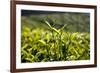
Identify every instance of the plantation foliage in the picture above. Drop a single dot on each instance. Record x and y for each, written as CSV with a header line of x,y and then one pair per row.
x,y
42,40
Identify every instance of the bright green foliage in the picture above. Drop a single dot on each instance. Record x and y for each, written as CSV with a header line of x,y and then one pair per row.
x,y
41,45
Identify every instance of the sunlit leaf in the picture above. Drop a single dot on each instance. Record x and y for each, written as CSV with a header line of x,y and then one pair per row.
x,y
43,42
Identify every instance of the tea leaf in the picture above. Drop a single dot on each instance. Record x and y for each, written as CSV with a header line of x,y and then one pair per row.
x,y
43,42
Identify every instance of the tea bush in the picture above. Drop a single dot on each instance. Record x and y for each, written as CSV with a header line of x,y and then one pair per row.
x,y
51,44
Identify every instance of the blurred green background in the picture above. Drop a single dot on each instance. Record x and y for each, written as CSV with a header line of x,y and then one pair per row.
x,y
76,22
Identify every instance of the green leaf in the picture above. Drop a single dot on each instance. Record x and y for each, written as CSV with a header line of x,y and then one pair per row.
x,y
57,31
30,39
74,35
24,46
43,42
62,27
29,60
48,24
45,60
26,29
52,28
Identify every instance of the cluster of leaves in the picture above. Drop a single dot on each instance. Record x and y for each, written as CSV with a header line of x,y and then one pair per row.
x,y
42,45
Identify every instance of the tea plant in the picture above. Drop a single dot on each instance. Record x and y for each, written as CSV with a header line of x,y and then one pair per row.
x,y
52,44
